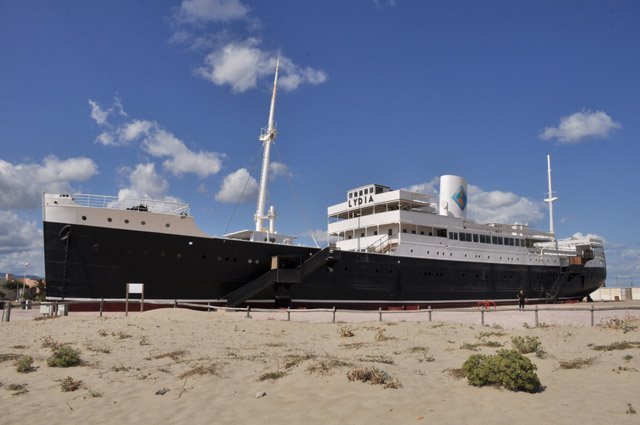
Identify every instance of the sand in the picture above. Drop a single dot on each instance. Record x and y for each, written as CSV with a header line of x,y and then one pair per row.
x,y
212,368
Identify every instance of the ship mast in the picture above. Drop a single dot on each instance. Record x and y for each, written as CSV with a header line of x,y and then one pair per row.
x,y
267,136
551,198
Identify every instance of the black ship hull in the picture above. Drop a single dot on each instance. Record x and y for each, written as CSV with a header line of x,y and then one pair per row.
x,y
96,262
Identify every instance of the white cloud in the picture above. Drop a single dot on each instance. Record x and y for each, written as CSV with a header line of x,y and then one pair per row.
x,y
21,185
17,235
161,144
576,127
97,113
277,169
134,129
242,64
502,207
237,186
144,183
20,242
181,160
428,188
213,10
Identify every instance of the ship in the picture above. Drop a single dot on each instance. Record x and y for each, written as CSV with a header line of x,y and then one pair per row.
x,y
385,248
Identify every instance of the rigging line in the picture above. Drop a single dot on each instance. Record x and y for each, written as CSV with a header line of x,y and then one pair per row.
x,y
253,167
295,195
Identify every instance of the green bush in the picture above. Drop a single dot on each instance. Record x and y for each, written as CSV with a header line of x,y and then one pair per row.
x,y
64,356
508,369
528,344
24,364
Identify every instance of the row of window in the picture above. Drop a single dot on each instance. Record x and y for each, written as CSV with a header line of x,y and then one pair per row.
x,y
495,240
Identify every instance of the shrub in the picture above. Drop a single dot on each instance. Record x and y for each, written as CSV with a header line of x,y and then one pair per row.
x,y
528,344
508,369
345,332
69,384
271,376
374,376
624,345
24,364
64,356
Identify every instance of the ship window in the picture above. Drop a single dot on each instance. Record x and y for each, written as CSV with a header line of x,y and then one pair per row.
x,y
475,237
349,237
167,225
350,195
404,230
390,232
375,233
179,255
362,235
126,221
494,240
413,232
499,240
109,220
143,222
483,239
204,257
84,217
360,193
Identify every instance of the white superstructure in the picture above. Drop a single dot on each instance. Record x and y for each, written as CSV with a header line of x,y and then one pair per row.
x,y
379,220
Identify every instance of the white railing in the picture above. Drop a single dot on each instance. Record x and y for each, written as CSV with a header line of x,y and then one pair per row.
x,y
113,202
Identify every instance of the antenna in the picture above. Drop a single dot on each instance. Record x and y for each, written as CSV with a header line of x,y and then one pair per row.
x,y
551,198
267,136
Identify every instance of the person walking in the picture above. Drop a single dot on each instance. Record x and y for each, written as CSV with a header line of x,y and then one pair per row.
x,y
521,299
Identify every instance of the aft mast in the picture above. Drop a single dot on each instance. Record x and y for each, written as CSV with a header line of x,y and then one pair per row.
x,y
267,136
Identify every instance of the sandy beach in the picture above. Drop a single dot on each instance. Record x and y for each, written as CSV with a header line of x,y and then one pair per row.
x,y
182,366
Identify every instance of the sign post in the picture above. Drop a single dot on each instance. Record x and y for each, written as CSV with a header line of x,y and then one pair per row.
x,y
134,288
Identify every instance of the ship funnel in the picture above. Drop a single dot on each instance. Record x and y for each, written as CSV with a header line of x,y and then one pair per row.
x,y
453,196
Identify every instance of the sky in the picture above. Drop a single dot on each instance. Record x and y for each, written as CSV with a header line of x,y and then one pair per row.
x,y
166,99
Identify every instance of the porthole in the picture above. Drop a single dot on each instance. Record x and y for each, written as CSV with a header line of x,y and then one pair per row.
x,y
219,258
84,217
143,222
167,225
226,258
249,261
204,257
109,220
179,255
235,259
190,243
162,254
126,221
257,261
96,247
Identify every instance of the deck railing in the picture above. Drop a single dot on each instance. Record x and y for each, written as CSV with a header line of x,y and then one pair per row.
x,y
113,202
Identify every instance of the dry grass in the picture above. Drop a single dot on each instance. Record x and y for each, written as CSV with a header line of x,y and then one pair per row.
x,y
622,345
211,369
374,376
376,359
625,325
69,384
577,363
354,345
9,356
346,332
120,335
173,355
488,334
17,389
102,332
49,342
326,367
380,336
272,376
454,373
475,346
293,360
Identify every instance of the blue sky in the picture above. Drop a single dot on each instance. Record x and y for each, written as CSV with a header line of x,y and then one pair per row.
x,y
167,98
